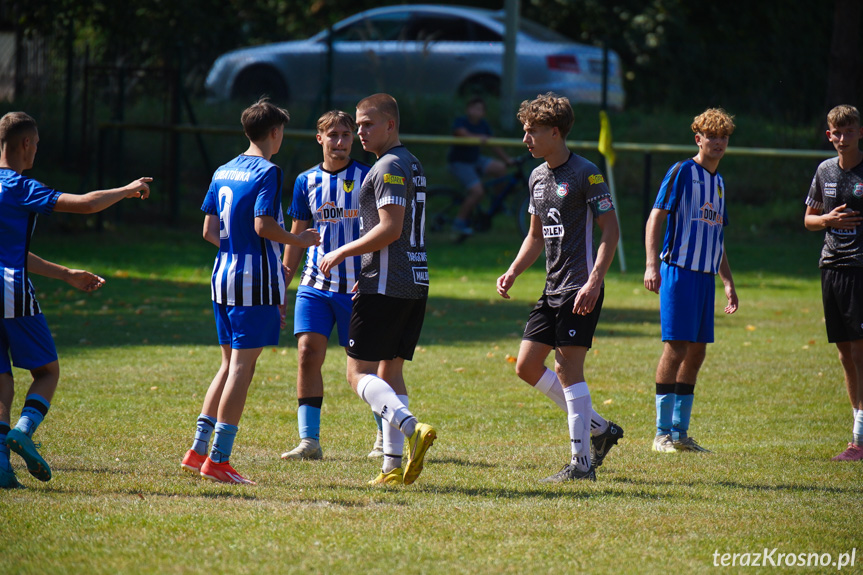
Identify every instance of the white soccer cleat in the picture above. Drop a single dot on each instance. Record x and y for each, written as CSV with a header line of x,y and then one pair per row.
x,y
307,449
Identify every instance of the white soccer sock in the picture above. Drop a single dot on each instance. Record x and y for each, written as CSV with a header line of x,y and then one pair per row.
x,y
550,386
384,401
858,428
394,443
578,410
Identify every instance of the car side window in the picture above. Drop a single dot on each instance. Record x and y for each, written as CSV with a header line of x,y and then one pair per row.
x,y
386,27
437,29
484,34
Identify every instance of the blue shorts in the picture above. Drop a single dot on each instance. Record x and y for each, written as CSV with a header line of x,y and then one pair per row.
x,y
317,311
247,327
28,340
686,301
469,174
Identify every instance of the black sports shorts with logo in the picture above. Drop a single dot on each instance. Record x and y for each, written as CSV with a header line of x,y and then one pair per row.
x,y
842,296
384,327
552,322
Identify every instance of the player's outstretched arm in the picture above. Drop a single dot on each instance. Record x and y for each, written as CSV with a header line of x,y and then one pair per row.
x,y
81,279
728,281
652,244
93,202
268,228
530,249
839,217
588,295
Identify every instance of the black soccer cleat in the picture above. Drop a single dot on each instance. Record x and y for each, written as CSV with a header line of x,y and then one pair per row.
x,y
570,473
601,444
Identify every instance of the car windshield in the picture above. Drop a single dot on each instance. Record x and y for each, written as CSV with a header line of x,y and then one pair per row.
x,y
535,31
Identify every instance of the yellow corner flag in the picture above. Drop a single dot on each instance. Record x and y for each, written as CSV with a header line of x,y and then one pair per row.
x,y
605,147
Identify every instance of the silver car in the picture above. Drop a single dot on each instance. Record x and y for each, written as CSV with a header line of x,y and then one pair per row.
x,y
417,50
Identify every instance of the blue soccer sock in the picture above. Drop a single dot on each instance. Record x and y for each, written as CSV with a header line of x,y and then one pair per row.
x,y
4,451
203,431
35,408
309,417
223,442
682,409
665,400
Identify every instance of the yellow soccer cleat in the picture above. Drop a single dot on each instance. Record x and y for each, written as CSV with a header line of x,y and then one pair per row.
x,y
394,477
422,438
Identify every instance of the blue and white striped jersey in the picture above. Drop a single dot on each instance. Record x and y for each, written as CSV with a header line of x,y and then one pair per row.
x,y
248,268
331,201
695,200
21,200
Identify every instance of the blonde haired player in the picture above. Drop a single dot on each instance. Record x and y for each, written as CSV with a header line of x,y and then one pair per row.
x,y
326,197
691,202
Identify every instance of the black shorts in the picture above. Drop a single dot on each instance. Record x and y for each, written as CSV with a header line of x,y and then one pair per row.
x,y
552,322
384,327
842,296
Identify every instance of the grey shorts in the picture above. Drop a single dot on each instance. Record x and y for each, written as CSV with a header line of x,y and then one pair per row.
x,y
469,174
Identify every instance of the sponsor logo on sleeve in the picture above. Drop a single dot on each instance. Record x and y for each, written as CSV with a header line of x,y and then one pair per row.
x,y
604,205
596,179
393,179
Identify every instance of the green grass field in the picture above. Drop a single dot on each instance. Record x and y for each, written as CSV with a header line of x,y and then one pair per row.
x,y
137,357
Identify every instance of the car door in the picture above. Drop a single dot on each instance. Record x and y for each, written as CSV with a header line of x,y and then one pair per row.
x,y
446,52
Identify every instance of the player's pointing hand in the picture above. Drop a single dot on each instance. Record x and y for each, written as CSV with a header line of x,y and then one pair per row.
x,y
138,188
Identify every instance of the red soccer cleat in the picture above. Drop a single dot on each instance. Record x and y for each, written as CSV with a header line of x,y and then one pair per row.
x,y
853,453
192,462
223,473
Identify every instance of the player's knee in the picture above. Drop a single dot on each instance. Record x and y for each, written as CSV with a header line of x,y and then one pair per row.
x,y
47,372
310,355
528,372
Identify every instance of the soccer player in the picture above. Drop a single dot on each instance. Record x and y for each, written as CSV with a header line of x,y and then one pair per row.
x,y
328,196
691,201
24,333
568,195
468,165
244,220
834,204
393,283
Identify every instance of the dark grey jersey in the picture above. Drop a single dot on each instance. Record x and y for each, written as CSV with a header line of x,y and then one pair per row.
x,y
567,199
832,186
401,268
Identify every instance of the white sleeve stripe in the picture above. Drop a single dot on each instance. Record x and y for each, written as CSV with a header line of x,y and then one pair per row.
x,y
389,200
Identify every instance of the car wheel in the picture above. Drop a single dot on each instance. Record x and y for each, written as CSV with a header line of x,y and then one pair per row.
x,y
485,85
252,83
